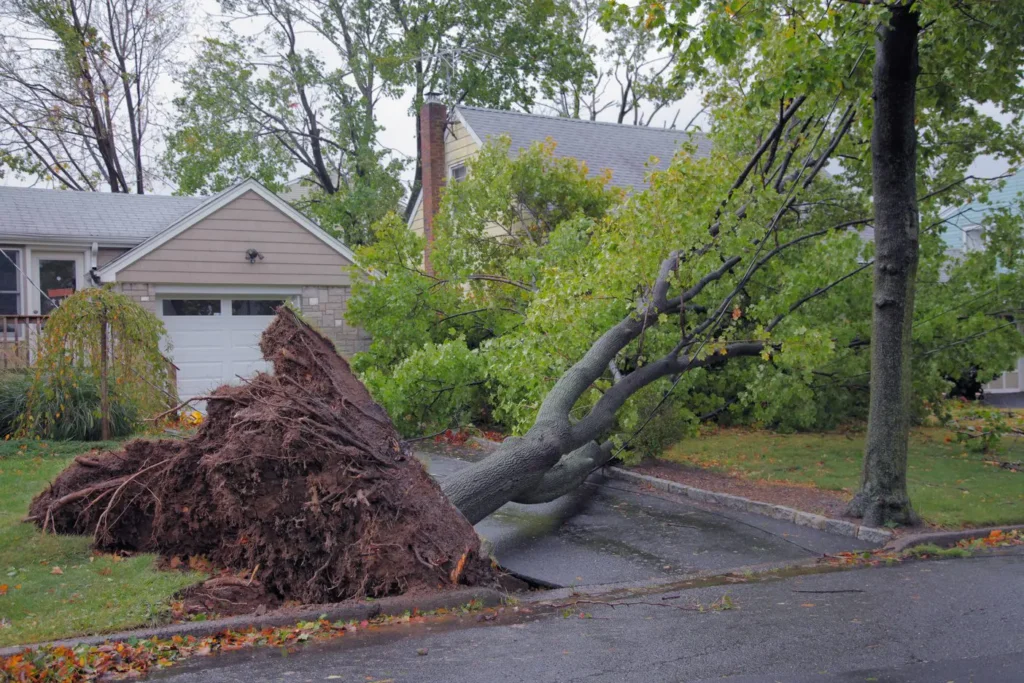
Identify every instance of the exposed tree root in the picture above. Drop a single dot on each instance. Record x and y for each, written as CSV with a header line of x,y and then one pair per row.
x,y
299,474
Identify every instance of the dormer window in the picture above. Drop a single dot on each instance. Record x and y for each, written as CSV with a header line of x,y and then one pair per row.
x,y
457,172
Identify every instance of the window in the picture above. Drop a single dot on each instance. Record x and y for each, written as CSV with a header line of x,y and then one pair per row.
x,y
457,172
9,293
255,306
191,307
57,280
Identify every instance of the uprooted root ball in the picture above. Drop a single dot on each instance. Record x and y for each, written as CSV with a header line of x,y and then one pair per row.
x,y
298,476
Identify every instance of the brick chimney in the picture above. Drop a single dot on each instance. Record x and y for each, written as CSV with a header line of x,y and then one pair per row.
x,y
433,121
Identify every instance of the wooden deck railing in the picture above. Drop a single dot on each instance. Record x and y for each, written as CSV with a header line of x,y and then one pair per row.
x,y
19,335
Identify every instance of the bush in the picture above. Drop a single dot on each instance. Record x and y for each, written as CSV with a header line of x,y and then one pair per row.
x,y
14,387
71,411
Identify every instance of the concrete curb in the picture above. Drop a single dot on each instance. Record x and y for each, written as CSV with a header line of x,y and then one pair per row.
x,y
339,611
947,538
838,527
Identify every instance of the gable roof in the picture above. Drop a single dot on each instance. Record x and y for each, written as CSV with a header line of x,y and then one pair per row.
x,y
624,149
108,273
122,219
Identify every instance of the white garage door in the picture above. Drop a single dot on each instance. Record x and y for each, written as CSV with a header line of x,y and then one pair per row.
x,y
215,341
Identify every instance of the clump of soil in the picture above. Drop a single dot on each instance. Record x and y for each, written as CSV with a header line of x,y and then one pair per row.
x,y
297,476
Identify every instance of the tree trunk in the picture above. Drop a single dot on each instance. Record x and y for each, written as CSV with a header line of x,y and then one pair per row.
x,y
883,495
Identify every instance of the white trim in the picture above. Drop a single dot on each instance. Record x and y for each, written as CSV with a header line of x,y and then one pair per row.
x,y
228,290
20,272
109,272
62,242
465,124
415,209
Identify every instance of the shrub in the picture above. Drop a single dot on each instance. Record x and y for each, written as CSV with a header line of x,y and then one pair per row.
x,y
72,411
14,387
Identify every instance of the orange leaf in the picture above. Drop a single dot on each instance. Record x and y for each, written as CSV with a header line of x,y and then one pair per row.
x,y
57,570
3,589
736,313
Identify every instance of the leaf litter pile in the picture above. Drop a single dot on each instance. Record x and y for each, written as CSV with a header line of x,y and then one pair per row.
x,y
296,478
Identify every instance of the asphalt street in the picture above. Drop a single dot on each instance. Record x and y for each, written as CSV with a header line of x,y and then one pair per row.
x,y
942,621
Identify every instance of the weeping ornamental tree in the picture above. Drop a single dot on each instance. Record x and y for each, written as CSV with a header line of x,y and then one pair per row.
x,y
745,271
98,370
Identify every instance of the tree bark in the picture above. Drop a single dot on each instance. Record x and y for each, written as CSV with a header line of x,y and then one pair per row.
x,y
883,495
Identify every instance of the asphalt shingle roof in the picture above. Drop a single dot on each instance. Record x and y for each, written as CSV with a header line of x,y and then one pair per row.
x,y
624,149
104,217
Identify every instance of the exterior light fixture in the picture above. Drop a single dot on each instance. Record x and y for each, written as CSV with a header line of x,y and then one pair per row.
x,y
252,255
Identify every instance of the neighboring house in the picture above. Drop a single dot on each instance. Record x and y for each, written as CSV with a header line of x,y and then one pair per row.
x,y
448,143
964,233
213,268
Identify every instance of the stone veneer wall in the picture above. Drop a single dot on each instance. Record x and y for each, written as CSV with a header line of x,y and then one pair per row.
x,y
324,307
143,294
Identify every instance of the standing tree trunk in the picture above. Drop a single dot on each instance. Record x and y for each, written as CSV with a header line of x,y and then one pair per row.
x,y
883,494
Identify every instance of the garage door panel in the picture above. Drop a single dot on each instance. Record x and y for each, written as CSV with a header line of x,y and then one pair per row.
x,y
200,370
196,340
249,368
211,350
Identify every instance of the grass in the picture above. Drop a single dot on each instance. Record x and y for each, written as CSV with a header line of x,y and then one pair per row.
x,y
90,593
949,486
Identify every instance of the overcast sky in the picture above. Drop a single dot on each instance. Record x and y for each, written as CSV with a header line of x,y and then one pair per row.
x,y
398,126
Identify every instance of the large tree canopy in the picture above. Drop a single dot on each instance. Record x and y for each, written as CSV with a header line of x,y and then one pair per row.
x,y
78,88
535,259
939,74
302,97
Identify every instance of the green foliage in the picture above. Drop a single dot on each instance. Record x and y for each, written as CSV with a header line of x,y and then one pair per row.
x,y
14,387
438,386
535,258
63,400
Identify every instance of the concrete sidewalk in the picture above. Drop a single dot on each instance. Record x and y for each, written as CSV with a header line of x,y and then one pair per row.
x,y
610,531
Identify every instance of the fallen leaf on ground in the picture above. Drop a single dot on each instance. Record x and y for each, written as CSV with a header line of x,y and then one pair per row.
x,y
56,570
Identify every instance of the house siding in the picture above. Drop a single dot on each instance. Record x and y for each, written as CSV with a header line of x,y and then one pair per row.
x,y
105,256
212,252
459,147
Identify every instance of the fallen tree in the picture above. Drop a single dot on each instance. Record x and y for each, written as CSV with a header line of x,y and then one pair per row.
x,y
297,476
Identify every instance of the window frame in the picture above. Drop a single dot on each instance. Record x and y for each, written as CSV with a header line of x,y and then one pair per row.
x,y
275,302
165,302
17,292
458,166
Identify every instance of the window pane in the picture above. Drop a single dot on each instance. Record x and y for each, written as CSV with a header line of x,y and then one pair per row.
x,y
9,304
458,173
191,306
57,280
255,306
8,273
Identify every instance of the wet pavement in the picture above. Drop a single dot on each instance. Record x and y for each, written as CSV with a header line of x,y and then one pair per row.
x,y
609,531
920,622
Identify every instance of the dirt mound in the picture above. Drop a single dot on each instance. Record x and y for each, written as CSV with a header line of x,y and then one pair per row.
x,y
298,476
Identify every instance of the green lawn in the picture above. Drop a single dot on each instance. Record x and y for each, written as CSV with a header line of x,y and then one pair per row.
x,y
89,593
948,486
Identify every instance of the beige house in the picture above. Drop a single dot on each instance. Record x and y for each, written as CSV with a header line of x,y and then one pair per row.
x,y
213,268
450,140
